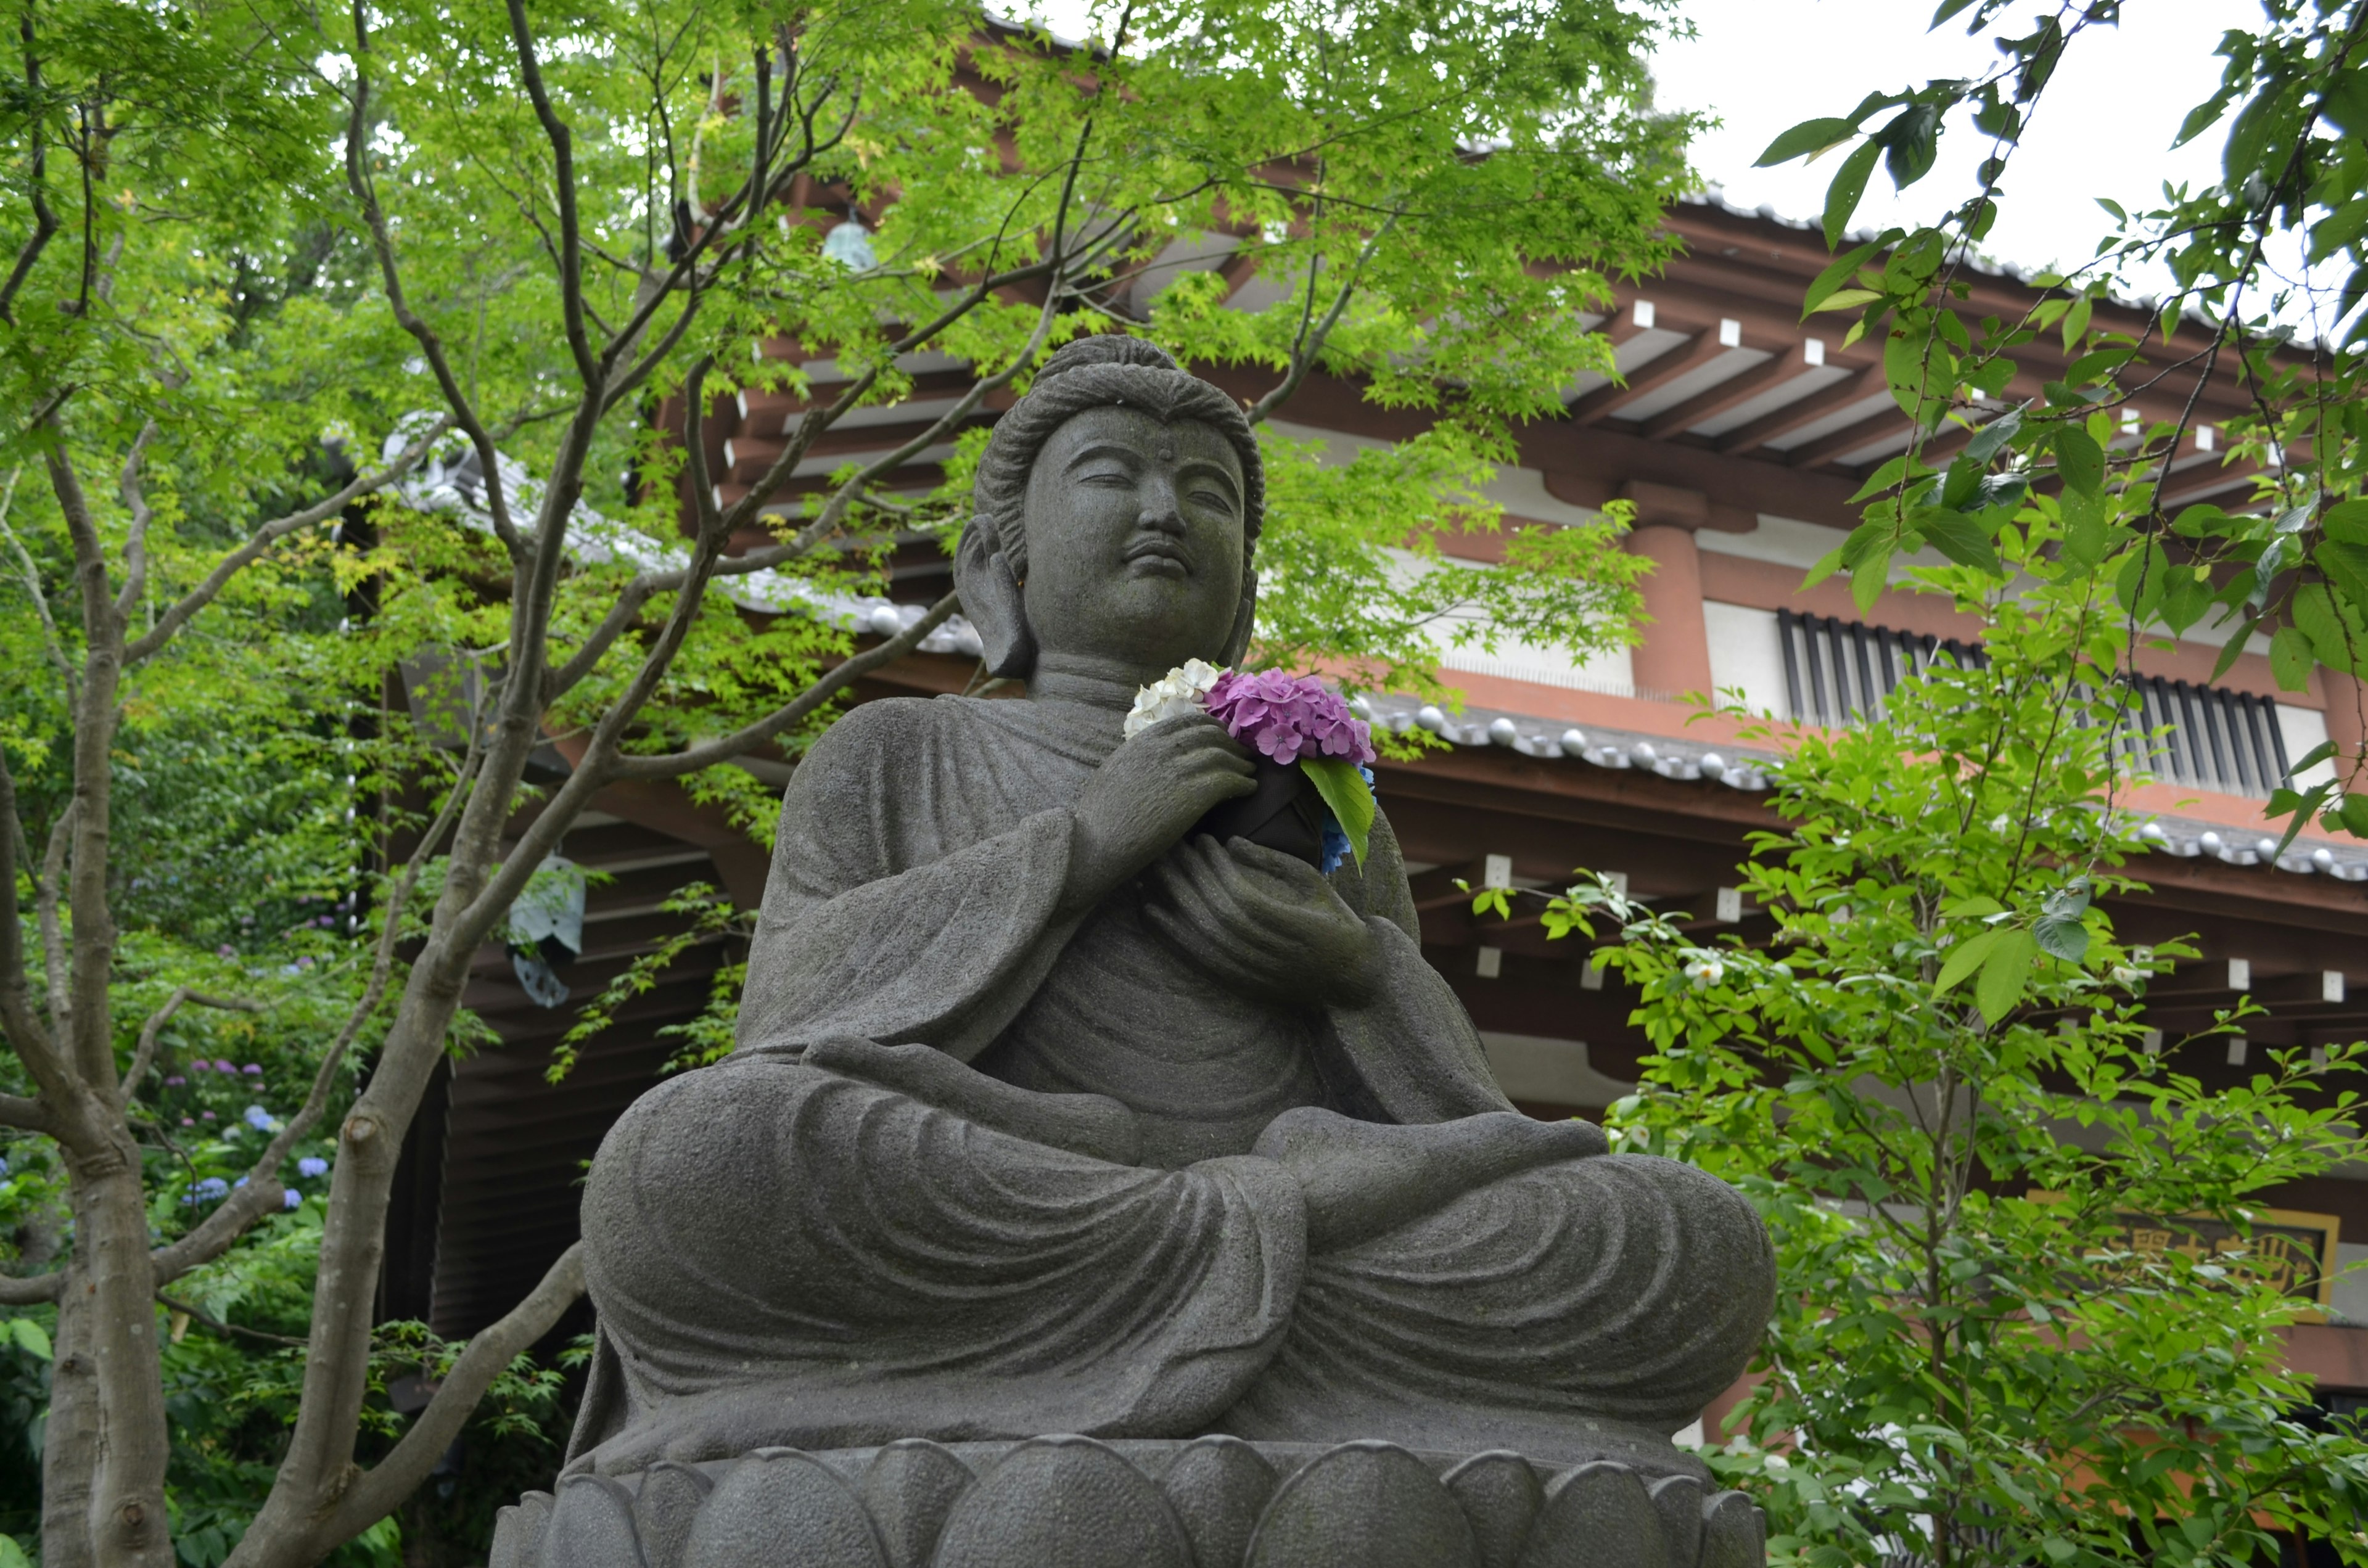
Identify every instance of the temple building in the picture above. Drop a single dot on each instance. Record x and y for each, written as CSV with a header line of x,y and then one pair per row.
x,y
1740,435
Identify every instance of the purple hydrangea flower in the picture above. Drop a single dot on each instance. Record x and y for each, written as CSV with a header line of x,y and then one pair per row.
x,y
311,1165
189,1121
253,1069
205,1116
225,951
175,1081
1288,717
201,1066
222,1066
291,1199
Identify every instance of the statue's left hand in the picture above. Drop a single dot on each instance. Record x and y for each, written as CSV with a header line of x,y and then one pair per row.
x,y
1266,923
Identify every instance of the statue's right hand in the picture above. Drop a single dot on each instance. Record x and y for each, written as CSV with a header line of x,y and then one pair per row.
x,y
1146,796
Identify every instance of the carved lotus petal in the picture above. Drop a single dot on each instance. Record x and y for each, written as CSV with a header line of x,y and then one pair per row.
x,y
1219,1487
1062,1503
668,1504
1678,1500
1500,1493
777,1496
910,1489
592,1526
1735,1532
1371,1504
1598,1515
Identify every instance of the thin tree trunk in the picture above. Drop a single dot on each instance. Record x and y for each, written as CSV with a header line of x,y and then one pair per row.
x,y
129,1527
70,1442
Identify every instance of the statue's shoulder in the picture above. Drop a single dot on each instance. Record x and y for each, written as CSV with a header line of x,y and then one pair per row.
x,y
890,732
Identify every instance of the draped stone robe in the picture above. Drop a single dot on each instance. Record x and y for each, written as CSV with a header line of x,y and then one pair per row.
x,y
782,1255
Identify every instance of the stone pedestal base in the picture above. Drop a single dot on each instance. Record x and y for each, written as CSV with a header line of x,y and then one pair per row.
x,y
1078,1503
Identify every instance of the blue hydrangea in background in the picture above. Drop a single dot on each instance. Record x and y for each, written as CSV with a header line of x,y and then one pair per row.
x,y
311,1165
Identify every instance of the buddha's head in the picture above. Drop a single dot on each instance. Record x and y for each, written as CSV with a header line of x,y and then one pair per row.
x,y
1115,512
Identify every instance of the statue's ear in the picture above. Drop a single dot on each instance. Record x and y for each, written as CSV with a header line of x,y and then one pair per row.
x,y
1238,641
991,599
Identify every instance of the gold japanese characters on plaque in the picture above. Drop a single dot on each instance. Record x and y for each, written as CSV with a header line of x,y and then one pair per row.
x,y
2289,1251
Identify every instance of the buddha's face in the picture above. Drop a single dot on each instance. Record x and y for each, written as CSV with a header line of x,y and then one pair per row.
x,y
1134,539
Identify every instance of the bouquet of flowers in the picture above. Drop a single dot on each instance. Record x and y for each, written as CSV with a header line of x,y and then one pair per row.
x,y
1308,744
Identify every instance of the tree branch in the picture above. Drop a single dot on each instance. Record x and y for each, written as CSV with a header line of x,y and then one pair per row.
x,y
744,512
212,1235
53,645
621,615
1311,342
835,511
45,223
155,1028
378,1491
86,1040
46,899
30,1115
25,1034
30,1290
504,886
135,542
674,764
198,1314
570,242
431,347
272,532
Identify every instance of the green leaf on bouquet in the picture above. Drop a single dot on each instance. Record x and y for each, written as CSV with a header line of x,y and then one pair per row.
x,y
1344,789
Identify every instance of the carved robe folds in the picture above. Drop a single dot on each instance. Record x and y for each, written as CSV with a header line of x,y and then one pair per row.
x,y
782,1255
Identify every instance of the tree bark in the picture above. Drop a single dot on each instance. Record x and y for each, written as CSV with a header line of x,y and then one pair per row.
x,y
70,1443
129,1527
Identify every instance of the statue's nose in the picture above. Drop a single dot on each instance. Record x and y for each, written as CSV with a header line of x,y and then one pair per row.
x,y
1161,510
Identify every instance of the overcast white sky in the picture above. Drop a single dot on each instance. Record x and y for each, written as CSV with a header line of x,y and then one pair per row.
x,y
2104,126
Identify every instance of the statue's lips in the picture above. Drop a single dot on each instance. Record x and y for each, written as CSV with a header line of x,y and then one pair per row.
x,y
1160,556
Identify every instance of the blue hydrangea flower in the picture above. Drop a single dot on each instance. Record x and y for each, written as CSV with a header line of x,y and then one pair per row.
x,y
258,1117
1336,848
291,1199
311,1165
214,1189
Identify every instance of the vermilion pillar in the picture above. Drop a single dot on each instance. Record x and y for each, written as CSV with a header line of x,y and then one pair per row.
x,y
1674,656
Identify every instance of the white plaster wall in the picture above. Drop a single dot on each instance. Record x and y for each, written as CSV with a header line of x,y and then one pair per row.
x,y
2304,730
1556,1071
1747,653
1784,540
1612,673
2349,1300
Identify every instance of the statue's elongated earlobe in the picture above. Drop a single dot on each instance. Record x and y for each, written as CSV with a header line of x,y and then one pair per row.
x,y
991,599
1238,641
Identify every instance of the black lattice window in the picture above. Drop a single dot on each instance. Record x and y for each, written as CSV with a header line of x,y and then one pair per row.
x,y
1837,672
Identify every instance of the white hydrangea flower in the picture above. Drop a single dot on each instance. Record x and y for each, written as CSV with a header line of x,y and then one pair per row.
x,y
1182,691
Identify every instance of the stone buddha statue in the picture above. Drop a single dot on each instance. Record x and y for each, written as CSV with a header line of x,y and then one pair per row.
x,y
1050,1116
